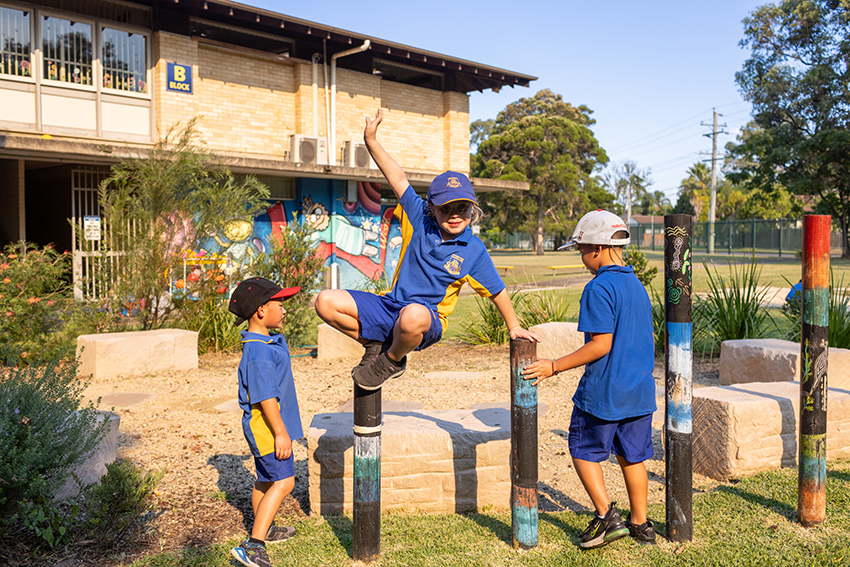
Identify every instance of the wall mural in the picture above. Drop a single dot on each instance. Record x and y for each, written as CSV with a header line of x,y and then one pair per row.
x,y
361,238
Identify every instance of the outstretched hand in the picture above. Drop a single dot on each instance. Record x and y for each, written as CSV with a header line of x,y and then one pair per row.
x,y
371,129
538,371
520,333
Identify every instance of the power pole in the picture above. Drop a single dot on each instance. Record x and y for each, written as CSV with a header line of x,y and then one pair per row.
x,y
713,200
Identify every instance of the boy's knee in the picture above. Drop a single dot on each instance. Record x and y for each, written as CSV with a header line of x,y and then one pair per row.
x,y
414,318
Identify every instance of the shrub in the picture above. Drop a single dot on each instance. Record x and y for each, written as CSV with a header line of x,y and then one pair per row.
x,y
293,261
118,508
659,321
33,292
489,328
733,308
45,433
839,314
637,259
539,308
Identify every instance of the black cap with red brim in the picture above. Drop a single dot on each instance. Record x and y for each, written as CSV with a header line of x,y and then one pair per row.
x,y
250,294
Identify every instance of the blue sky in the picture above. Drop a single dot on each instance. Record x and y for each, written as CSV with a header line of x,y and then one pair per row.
x,y
650,71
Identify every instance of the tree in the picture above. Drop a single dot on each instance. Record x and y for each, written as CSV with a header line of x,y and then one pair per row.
x,y
155,207
654,203
547,142
696,187
629,183
797,80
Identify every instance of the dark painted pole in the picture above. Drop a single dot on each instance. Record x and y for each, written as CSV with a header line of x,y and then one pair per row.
x,y
814,351
523,447
678,277
367,475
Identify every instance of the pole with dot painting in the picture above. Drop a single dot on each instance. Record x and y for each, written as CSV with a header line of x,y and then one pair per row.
x,y
523,447
366,523
678,282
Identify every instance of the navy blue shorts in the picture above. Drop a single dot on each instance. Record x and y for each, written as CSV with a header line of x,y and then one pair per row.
x,y
593,439
378,315
271,469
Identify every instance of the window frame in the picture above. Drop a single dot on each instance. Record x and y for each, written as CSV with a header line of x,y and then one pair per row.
x,y
95,64
148,56
34,66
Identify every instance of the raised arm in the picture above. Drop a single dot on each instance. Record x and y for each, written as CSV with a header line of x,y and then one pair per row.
x,y
502,301
389,167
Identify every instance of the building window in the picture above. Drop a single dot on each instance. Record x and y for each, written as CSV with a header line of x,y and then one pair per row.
x,y
15,57
124,59
67,51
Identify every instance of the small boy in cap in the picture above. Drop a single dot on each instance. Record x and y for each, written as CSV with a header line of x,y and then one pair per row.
x,y
615,397
439,254
270,419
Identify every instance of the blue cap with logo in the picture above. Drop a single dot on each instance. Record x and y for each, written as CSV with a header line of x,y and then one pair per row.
x,y
450,186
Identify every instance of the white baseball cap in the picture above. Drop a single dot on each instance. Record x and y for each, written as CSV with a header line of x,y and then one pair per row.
x,y
598,227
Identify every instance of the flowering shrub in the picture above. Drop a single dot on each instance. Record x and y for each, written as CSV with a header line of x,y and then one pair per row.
x,y
33,291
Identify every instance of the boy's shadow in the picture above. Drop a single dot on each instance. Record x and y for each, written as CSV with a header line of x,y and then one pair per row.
x,y
234,479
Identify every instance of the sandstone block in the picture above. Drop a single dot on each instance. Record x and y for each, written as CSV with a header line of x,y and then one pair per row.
x,y
746,428
437,461
557,339
775,360
137,352
334,344
95,466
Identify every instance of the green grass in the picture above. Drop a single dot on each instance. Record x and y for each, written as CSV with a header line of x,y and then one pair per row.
x,y
747,523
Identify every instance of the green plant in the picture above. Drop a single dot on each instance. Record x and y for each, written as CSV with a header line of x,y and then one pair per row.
x,y
659,321
155,208
48,522
632,256
544,307
839,314
45,432
378,284
33,292
489,328
118,507
293,261
733,308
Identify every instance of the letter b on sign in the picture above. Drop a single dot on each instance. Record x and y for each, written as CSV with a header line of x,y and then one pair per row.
x,y
179,78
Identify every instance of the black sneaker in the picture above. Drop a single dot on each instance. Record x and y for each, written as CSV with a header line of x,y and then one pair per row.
x,y
644,533
373,349
279,533
372,376
601,531
251,554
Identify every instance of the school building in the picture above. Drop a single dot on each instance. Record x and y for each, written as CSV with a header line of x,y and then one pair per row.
x,y
85,82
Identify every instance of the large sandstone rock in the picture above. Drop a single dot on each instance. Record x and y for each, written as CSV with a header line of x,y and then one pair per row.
x,y
95,466
333,344
775,360
747,428
137,352
557,339
439,461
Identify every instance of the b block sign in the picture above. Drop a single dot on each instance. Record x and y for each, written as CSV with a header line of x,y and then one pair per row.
x,y
179,78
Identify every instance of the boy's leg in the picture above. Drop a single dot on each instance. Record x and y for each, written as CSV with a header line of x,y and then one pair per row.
x,y
337,308
591,477
637,485
266,499
413,322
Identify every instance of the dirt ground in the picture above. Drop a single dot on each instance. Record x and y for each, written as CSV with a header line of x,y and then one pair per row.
x,y
204,496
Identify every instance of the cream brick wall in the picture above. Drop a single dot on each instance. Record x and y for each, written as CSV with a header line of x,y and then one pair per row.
x,y
252,104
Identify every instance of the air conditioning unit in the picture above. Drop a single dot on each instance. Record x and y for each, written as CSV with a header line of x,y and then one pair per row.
x,y
355,154
308,149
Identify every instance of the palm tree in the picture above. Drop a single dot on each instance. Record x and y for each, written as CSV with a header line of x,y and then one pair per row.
x,y
628,183
696,187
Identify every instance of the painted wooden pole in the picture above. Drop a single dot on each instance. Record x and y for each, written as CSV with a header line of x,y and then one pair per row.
x,y
523,447
678,276
367,475
811,484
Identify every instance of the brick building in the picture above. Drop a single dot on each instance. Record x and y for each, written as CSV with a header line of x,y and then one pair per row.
x,y
83,82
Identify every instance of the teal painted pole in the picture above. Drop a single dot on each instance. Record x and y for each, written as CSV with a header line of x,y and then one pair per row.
x,y
366,545
523,447
814,351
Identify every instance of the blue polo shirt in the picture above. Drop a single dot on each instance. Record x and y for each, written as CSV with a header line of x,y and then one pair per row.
x,y
620,384
432,272
265,372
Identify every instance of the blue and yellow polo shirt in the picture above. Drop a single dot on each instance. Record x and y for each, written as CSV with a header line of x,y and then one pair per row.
x,y
432,272
265,372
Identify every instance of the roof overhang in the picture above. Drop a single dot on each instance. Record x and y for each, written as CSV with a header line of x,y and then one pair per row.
x,y
62,149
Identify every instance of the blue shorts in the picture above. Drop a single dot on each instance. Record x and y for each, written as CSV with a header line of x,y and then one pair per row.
x,y
593,439
378,315
271,469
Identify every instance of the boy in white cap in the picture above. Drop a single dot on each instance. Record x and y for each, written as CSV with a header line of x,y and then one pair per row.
x,y
615,398
439,254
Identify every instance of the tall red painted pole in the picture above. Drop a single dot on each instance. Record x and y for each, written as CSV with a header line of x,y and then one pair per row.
x,y
814,351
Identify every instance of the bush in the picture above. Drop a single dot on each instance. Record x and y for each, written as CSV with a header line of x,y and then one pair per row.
x,y
118,508
33,292
294,261
45,433
538,308
532,309
733,308
659,321
839,314
637,259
